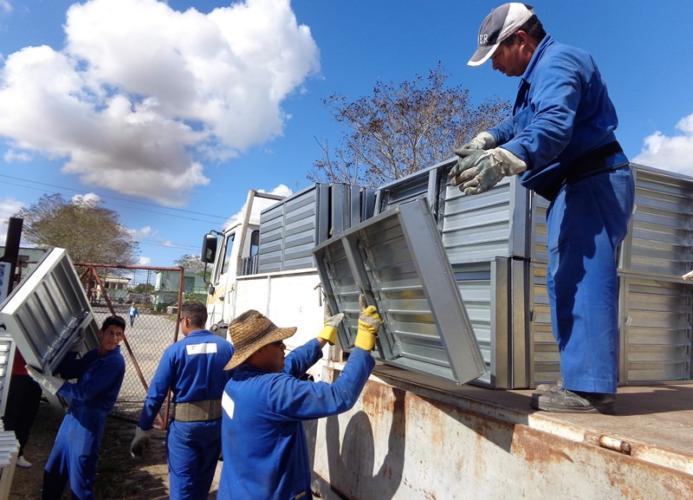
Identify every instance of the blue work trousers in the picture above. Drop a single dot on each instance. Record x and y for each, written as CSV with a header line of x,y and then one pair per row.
x,y
74,456
193,453
586,223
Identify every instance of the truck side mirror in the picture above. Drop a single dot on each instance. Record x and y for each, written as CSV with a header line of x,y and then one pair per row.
x,y
209,248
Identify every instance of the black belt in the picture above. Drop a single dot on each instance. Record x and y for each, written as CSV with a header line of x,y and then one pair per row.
x,y
593,163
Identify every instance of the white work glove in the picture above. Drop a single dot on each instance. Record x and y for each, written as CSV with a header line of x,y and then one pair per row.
x,y
481,170
688,276
48,383
140,442
482,140
329,331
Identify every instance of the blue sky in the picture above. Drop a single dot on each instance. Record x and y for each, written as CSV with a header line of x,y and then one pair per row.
x,y
269,65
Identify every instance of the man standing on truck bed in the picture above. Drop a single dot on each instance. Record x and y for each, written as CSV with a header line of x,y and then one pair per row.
x,y
265,403
193,369
560,139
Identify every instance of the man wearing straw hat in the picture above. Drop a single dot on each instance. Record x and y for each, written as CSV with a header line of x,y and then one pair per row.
x,y
265,403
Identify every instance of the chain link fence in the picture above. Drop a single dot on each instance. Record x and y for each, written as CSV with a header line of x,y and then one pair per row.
x,y
149,300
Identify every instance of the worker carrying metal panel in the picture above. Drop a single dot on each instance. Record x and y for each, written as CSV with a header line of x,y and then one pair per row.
x,y
265,403
99,375
560,139
193,369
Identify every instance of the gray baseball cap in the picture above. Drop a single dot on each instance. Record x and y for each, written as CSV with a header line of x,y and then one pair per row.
x,y
501,22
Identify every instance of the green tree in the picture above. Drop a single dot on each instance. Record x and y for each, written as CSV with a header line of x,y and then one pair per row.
x,y
191,263
89,233
399,129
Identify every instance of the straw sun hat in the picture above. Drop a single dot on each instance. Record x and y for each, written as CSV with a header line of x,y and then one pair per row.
x,y
249,332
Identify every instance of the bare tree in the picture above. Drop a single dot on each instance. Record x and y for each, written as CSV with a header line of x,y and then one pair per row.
x,y
88,232
400,129
191,263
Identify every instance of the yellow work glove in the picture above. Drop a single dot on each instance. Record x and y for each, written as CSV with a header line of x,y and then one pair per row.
x,y
329,331
369,322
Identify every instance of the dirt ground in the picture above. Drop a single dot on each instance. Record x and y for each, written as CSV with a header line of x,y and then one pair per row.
x,y
118,475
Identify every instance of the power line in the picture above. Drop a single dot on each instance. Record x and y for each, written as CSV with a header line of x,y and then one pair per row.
x,y
179,216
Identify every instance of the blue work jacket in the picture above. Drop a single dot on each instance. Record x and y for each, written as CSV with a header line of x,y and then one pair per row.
x,y
265,452
562,112
193,368
99,380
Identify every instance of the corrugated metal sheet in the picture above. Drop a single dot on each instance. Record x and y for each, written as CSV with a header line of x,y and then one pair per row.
x,y
289,230
661,236
657,331
543,353
46,313
396,259
7,347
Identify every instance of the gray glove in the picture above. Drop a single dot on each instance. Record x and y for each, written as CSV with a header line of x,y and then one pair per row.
x,y
482,140
48,383
688,276
481,170
335,320
140,442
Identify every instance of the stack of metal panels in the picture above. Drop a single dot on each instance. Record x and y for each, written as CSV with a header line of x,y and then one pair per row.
x,y
397,260
290,229
496,244
48,313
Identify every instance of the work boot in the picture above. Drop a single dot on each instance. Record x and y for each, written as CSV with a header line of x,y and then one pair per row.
x,y
565,401
543,388
23,462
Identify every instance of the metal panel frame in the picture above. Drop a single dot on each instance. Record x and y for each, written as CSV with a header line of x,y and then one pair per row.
x,y
7,349
437,280
64,318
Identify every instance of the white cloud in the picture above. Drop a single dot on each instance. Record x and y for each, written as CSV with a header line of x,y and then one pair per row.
x,y
5,6
144,261
673,153
259,204
141,233
88,199
167,243
11,156
8,208
142,94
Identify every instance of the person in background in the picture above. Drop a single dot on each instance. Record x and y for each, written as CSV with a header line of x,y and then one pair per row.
x,y
265,403
99,375
133,312
193,369
560,141
22,406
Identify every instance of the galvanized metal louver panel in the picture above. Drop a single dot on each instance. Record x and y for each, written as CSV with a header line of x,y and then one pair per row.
x,y
657,331
48,311
544,358
539,236
289,230
483,227
396,258
7,347
661,239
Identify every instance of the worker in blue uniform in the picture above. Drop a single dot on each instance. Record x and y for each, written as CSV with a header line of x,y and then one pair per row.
x,y
193,369
560,140
99,375
265,403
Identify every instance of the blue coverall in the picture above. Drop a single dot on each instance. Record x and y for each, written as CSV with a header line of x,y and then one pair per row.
x,y
76,449
265,452
562,126
193,368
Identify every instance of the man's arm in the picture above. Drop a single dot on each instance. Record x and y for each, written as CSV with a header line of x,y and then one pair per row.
x,y
556,96
301,359
502,132
95,379
158,389
301,400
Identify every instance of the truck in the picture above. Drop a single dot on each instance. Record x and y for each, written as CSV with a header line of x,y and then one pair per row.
x,y
446,412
